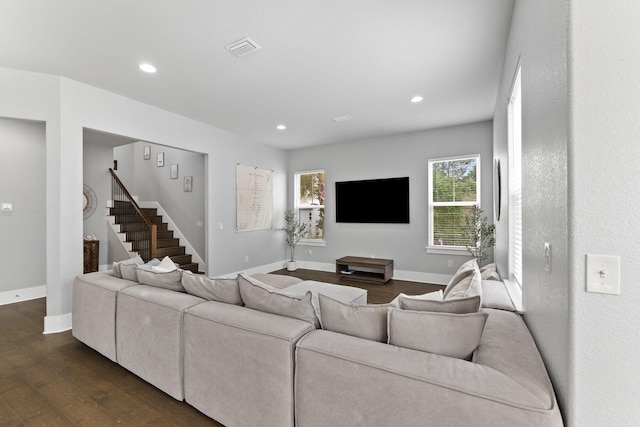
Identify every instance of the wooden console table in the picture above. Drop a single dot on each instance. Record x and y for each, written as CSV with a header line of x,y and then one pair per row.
x,y
372,270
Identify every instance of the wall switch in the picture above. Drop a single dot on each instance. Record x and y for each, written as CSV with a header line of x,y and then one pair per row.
x,y
199,223
246,258
603,274
220,225
547,257
310,252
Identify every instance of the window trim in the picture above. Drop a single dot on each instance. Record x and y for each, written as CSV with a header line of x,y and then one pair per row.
x,y
515,183
450,249
297,206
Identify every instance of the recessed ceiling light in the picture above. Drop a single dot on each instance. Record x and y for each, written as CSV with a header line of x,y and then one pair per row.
x,y
281,127
417,99
147,68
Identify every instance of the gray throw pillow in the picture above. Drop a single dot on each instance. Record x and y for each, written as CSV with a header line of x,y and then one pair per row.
x,y
362,321
212,289
467,287
117,266
262,297
466,270
171,280
446,334
457,306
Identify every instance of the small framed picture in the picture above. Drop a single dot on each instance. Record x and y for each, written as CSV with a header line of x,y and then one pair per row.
x,y
160,160
174,171
188,184
147,152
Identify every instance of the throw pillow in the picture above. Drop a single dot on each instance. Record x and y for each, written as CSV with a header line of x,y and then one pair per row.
x,y
262,297
171,280
165,266
490,272
362,321
212,289
446,334
468,286
432,296
457,306
467,269
149,264
117,265
495,295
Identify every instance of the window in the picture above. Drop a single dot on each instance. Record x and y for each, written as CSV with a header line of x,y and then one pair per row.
x,y
454,189
309,203
515,181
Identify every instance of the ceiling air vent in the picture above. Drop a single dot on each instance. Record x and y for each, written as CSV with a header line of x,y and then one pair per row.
x,y
242,47
339,119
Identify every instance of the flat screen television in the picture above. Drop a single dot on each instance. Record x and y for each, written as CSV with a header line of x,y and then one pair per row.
x,y
383,201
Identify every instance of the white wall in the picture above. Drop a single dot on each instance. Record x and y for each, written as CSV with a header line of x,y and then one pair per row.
x,y
22,183
387,157
604,109
537,39
67,107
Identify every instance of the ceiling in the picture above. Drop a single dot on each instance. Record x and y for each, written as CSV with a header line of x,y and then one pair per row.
x,y
319,59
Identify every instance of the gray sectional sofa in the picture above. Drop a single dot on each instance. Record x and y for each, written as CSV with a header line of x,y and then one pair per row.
x,y
247,367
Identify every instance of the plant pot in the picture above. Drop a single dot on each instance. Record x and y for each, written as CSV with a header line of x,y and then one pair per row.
x,y
291,266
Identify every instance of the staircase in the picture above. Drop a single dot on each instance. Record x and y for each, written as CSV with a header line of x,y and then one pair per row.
x,y
124,215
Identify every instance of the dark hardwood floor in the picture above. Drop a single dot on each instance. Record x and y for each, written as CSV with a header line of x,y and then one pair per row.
x,y
376,294
54,380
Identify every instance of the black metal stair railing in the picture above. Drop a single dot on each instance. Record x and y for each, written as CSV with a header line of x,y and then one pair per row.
x,y
139,227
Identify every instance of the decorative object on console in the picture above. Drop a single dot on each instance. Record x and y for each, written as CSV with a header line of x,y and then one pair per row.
x,y
479,231
295,230
89,201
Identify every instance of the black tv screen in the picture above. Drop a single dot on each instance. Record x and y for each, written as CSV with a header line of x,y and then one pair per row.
x,y
384,201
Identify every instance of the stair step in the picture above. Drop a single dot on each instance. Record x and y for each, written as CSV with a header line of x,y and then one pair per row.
x,y
191,267
170,251
129,210
132,236
140,226
165,243
181,259
120,219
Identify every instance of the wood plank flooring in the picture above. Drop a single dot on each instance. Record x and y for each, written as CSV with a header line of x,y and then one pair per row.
x,y
55,380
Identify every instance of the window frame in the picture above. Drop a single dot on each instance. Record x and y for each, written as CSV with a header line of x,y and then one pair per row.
x,y
450,249
514,148
297,206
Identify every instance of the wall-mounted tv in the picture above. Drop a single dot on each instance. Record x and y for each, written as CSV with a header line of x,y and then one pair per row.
x,y
383,201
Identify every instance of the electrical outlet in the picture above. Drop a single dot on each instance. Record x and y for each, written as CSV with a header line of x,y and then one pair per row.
x,y
220,225
246,258
603,274
310,252
450,263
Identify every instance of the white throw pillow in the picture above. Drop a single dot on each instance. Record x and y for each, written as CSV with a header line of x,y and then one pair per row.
x,y
117,266
165,266
465,270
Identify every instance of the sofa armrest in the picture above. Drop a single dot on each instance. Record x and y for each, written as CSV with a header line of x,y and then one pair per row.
x,y
343,380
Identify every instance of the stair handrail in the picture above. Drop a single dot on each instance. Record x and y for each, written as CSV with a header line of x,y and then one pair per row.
x,y
152,227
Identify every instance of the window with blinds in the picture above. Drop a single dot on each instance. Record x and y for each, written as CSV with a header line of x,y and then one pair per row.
x,y
515,181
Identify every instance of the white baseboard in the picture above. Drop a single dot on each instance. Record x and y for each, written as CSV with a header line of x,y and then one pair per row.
x,y
55,324
25,294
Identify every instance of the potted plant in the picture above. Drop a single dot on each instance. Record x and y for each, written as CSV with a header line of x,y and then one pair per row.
x,y
295,230
480,232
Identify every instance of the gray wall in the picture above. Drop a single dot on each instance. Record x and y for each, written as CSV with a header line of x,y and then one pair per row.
x,y
22,183
386,157
537,38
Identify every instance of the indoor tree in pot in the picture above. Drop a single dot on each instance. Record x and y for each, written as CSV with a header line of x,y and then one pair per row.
x,y
479,231
295,230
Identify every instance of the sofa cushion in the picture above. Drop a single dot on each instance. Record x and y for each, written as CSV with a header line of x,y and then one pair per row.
x,y
362,321
446,334
457,306
432,296
212,289
465,284
495,295
117,270
171,280
262,297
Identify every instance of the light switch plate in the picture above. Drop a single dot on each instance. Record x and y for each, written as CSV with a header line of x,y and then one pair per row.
x,y
603,274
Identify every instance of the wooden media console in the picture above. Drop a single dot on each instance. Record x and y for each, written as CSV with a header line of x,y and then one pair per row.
x,y
361,269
